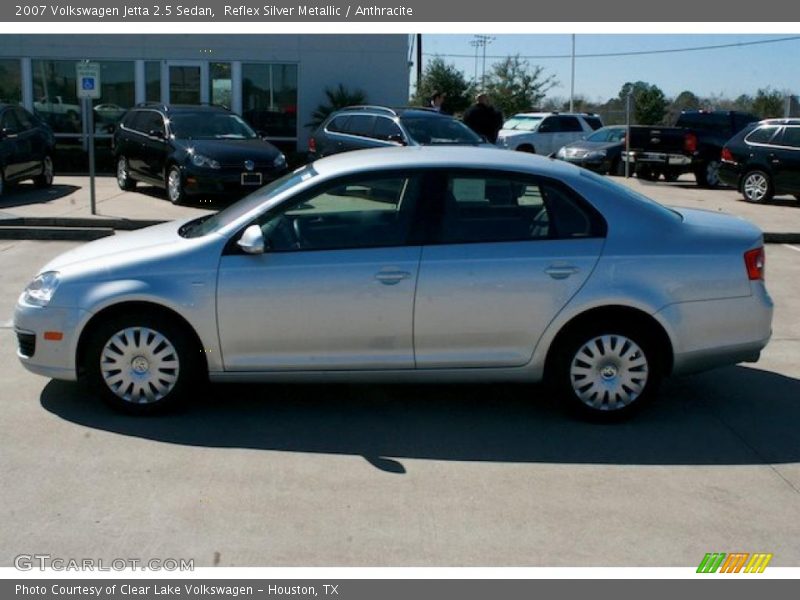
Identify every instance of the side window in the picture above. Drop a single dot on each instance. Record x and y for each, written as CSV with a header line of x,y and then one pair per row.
x,y
150,121
360,125
136,120
593,122
25,120
549,125
386,129
10,122
761,135
362,213
506,209
791,137
569,124
338,124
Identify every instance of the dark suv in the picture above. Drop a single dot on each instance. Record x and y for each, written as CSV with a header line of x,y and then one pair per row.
x,y
361,127
764,160
26,148
192,151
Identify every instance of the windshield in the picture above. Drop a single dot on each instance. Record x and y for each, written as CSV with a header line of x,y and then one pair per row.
x,y
210,224
204,125
521,123
438,130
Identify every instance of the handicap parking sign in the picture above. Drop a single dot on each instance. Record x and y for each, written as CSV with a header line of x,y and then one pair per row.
x,y
88,79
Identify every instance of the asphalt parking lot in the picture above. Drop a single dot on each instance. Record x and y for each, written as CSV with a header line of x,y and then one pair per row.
x,y
357,475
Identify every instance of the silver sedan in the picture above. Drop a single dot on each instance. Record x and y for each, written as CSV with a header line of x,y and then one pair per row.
x,y
408,264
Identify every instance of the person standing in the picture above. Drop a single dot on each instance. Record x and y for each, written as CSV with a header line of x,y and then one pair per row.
x,y
436,101
483,118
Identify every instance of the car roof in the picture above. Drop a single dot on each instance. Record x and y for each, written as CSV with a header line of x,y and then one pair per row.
x,y
180,107
554,114
784,121
408,157
392,111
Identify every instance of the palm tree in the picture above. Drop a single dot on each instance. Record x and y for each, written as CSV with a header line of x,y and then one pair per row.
x,y
338,98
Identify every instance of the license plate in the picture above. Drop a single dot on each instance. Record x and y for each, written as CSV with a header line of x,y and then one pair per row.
x,y
251,178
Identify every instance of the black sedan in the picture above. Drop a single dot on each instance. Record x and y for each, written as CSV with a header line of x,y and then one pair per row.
x,y
601,151
193,151
26,148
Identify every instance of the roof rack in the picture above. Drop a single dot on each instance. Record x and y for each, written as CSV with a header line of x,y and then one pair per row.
x,y
165,107
385,109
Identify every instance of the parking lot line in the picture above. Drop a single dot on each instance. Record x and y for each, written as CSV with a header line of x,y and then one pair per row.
x,y
795,248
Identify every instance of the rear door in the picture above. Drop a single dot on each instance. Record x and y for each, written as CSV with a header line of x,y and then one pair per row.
x,y
508,252
15,152
785,159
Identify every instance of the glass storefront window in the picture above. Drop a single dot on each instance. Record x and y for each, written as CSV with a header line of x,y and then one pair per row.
x,y
117,94
152,81
184,84
10,81
56,101
269,98
54,96
221,84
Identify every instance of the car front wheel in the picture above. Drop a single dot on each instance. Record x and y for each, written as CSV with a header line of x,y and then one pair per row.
x,y
124,180
46,178
175,191
606,373
757,187
141,364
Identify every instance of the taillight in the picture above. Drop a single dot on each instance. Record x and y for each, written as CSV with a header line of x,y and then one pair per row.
x,y
727,155
754,261
690,142
312,145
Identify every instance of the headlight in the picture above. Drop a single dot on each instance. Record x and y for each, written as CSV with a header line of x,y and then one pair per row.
x,y
595,155
280,161
41,289
562,152
198,160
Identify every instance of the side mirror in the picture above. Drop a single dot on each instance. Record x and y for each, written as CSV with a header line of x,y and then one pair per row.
x,y
7,132
397,139
252,240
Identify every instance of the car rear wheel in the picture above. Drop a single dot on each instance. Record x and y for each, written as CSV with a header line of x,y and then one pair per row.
x,y
757,187
527,148
124,180
141,364
175,191
708,175
46,178
607,373
646,172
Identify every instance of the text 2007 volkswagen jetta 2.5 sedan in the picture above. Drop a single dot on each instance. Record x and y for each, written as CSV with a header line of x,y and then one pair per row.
x,y
408,264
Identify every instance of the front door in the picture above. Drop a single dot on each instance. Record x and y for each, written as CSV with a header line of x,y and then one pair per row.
x,y
511,252
334,289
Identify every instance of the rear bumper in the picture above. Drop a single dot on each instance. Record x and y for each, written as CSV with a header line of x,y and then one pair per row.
x,y
657,158
729,174
713,333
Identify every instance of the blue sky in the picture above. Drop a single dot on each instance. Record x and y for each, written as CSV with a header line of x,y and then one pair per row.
x,y
729,71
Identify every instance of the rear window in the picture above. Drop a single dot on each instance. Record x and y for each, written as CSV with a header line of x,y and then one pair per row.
x,y
761,135
439,130
705,121
593,122
791,137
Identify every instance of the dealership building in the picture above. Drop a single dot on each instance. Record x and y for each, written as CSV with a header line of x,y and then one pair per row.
x,y
275,81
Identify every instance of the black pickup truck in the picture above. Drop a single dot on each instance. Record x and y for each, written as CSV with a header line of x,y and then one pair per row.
x,y
692,146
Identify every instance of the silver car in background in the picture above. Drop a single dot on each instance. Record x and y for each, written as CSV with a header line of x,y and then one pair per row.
x,y
408,264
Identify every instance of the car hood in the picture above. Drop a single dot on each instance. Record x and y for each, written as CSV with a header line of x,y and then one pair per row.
x,y
592,146
233,151
118,249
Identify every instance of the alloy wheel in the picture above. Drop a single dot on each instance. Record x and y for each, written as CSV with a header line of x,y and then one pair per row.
x,y
755,187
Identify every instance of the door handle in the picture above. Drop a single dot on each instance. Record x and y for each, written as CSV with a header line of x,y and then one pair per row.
x,y
392,277
561,271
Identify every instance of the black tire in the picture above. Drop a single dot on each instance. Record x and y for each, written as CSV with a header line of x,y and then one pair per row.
x,y
623,375
124,180
646,172
175,193
137,372
707,174
617,168
671,176
45,180
527,148
756,186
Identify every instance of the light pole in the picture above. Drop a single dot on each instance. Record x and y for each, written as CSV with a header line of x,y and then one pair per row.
x,y
572,79
482,41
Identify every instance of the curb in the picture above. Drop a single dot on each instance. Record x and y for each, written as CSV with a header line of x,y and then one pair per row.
x,y
782,238
76,234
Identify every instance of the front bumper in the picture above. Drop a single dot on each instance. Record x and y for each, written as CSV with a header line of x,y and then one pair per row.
x,y
227,180
50,357
598,165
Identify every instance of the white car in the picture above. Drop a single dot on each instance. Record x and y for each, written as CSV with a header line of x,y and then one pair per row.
x,y
545,132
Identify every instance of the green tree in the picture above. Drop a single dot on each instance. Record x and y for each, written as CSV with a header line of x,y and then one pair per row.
x,y
768,103
338,98
649,103
440,76
516,86
686,100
